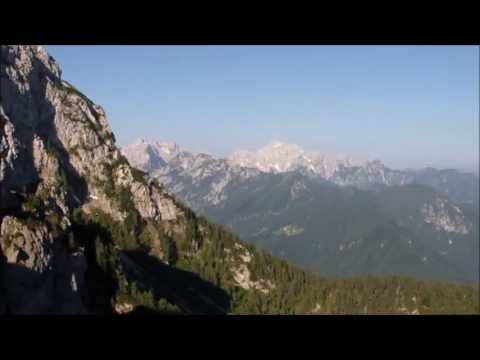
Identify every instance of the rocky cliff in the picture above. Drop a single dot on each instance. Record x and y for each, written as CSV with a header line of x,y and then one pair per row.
x,y
58,157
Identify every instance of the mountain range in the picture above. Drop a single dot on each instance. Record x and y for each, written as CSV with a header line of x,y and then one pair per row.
x,y
334,215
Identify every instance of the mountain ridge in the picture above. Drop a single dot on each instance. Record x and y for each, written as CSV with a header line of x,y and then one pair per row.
x,y
279,157
258,204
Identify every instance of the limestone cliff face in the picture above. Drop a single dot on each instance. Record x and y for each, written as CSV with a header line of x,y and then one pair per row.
x,y
57,154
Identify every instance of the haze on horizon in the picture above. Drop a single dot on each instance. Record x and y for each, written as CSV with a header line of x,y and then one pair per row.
x,y
410,106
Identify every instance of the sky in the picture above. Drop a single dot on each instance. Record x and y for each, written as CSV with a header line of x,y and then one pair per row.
x,y
410,106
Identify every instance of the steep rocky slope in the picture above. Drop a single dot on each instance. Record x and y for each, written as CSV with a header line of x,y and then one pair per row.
x,y
81,231
58,158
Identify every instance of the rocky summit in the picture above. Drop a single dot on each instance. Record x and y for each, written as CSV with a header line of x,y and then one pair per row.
x,y
81,231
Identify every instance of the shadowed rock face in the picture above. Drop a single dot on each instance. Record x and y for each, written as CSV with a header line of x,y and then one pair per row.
x,y
29,105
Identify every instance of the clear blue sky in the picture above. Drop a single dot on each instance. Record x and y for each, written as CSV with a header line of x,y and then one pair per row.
x,y
410,106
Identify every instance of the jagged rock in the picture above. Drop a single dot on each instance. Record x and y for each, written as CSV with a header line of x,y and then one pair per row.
x,y
30,247
123,308
39,274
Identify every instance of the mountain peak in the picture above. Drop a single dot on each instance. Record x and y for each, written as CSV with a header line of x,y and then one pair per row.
x,y
167,148
281,146
149,155
277,156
